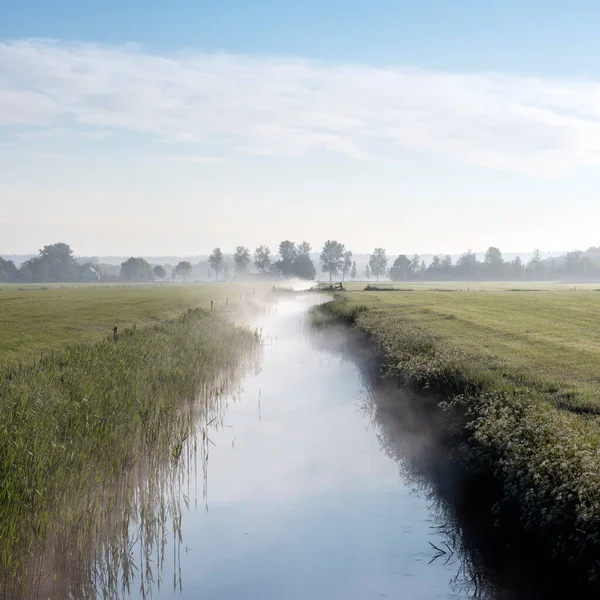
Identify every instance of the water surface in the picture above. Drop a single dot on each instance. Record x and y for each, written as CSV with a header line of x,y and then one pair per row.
x,y
312,487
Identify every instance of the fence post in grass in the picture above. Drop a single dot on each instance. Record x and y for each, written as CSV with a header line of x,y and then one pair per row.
x,y
115,336
211,305
226,301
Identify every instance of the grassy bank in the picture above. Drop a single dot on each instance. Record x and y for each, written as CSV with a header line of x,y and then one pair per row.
x,y
35,318
520,371
75,420
546,342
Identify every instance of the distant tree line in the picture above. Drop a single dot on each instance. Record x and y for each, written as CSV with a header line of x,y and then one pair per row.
x,y
56,263
574,266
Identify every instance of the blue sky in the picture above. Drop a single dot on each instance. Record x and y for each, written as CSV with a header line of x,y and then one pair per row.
x,y
534,36
153,127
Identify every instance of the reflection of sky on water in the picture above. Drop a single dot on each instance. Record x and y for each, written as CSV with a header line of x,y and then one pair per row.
x,y
302,502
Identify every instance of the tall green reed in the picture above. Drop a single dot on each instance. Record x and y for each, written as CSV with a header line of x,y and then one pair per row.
x,y
79,423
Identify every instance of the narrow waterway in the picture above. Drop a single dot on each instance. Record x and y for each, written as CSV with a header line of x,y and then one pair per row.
x,y
312,484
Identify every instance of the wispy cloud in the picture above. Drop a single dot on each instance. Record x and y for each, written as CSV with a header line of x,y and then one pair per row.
x,y
46,155
237,104
199,160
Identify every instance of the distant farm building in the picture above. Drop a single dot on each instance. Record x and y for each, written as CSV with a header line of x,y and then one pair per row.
x,y
90,274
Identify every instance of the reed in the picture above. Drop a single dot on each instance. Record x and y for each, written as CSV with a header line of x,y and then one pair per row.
x,y
77,420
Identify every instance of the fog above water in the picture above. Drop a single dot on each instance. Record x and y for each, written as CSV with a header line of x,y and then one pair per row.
x,y
321,481
308,477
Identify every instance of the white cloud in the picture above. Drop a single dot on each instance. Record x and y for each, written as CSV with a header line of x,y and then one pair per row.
x,y
238,104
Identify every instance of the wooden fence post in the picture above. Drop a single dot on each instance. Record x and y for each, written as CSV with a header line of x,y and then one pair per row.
x,y
115,336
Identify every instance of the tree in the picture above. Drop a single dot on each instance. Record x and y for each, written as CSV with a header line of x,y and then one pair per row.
x,y
262,259
332,257
467,265
378,262
415,263
8,271
159,272
303,267
241,259
367,272
183,269
574,264
400,269
35,269
347,264
493,263
516,269
288,252
226,271
304,249
435,268
136,269
446,270
54,263
216,261
536,265
353,270
61,262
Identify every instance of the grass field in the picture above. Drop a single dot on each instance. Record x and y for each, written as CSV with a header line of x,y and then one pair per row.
x,y
473,286
518,375
34,319
546,340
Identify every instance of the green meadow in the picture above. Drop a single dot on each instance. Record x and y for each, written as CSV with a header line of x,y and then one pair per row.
x,y
35,317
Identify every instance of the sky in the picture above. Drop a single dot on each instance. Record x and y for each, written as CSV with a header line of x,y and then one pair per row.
x,y
171,128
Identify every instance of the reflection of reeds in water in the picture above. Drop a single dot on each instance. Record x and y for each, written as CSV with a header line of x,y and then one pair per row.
x,y
106,452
